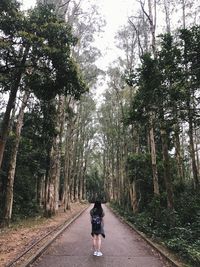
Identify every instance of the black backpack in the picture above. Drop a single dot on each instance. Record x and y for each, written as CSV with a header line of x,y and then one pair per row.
x,y
96,222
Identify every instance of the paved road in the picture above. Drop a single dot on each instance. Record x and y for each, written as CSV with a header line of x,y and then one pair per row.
x,y
122,247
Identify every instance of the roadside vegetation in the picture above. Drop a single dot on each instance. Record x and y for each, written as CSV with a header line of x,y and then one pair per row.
x,y
138,148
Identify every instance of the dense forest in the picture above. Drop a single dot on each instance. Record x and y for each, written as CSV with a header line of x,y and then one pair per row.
x,y
137,148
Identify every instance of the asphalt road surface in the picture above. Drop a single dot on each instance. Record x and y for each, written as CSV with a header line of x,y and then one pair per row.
x,y
122,247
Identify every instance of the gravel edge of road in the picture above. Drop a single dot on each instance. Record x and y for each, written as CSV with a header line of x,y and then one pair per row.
x,y
42,249
150,242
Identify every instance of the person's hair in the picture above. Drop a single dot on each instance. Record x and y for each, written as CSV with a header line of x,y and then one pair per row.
x,y
97,209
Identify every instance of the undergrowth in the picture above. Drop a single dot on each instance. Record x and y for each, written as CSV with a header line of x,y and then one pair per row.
x,y
179,230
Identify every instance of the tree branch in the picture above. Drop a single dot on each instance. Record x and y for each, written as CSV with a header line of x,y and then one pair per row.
x,y
141,52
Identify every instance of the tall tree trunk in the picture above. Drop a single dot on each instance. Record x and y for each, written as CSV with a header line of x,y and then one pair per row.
x,y
197,151
66,194
153,159
7,209
133,196
12,97
69,147
184,16
74,168
167,174
113,170
67,164
167,15
81,166
152,22
41,190
84,179
51,207
178,155
192,153
54,168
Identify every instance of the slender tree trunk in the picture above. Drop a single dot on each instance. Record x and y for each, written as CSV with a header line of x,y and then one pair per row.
x,y
110,177
75,172
197,151
41,191
167,174
6,120
153,159
84,180
53,175
67,166
46,193
184,16
51,207
81,167
66,193
124,172
72,156
133,196
7,209
152,23
12,97
167,15
68,179
113,171
192,154
178,156
62,117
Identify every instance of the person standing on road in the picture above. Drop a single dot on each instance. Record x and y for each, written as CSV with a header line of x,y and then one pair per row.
x,y
97,222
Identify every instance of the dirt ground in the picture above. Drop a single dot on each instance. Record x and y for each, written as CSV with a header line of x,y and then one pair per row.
x,y
14,240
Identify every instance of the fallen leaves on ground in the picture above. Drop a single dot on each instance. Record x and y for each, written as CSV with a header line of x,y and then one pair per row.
x,y
17,238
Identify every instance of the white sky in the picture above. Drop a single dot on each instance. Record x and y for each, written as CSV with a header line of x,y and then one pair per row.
x,y
115,13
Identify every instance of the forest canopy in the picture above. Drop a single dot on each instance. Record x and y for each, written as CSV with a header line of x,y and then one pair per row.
x,y
137,147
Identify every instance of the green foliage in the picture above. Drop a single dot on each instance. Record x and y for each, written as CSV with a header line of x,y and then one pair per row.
x,y
177,229
164,94
32,165
168,83
188,206
139,167
38,47
25,204
139,170
94,186
56,72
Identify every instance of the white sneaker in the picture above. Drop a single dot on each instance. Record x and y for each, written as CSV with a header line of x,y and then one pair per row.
x,y
95,253
99,253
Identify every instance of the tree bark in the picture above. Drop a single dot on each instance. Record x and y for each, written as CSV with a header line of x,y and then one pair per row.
x,y
192,153
66,194
197,151
184,16
167,174
167,15
178,156
152,23
133,196
153,159
68,182
7,209
12,97
54,169
51,207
